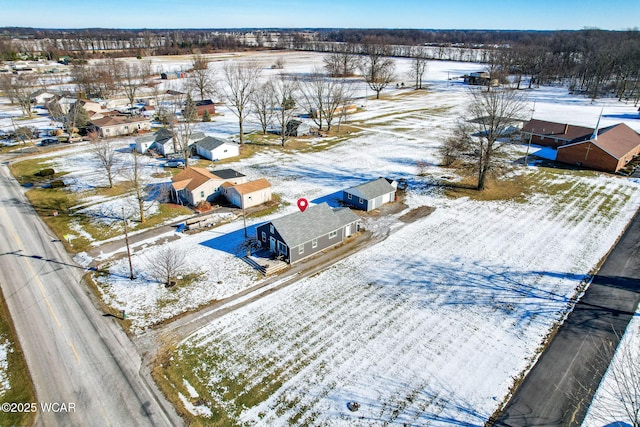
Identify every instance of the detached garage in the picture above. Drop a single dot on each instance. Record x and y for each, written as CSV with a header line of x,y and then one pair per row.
x,y
370,195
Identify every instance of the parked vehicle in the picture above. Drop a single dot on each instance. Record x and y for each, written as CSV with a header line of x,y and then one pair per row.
x,y
174,164
49,141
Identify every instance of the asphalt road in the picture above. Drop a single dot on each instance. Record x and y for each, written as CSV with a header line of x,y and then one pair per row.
x,y
560,388
74,354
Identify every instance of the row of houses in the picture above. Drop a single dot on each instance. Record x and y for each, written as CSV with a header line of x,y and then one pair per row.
x,y
166,143
294,236
607,149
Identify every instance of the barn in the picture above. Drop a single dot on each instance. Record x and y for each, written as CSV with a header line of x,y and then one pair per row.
x,y
608,149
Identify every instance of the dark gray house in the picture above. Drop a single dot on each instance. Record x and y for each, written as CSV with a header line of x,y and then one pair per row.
x,y
370,195
298,235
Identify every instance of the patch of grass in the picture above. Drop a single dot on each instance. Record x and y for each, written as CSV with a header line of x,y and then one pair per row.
x,y
515,189
270,207
118,189
24,170
22,390
106,309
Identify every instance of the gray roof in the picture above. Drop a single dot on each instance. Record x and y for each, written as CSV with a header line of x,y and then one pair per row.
x,y
227,173
317,220
164,138
372,189
210,143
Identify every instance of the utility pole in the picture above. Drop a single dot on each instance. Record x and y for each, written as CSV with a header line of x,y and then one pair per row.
x,y
126,241
528,147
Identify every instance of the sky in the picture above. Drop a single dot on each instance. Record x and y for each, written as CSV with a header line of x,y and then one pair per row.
x,y
427,14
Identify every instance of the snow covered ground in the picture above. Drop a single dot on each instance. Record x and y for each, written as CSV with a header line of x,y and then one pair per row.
x,y
428,327
620,384
5,349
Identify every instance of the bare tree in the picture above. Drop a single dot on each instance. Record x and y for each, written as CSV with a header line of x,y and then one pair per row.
x,y
131,79
283,93
378,69
168,263
491,116
6,86
241,83
618,397
418,65
19,88
182,137
105,152
342,63
264,105
201,78
137,185
324,97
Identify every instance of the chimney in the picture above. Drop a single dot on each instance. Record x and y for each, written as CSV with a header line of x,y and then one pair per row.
x,y
566,128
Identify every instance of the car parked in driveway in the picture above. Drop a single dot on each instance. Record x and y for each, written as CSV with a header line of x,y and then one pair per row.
x,y
174,164
49,141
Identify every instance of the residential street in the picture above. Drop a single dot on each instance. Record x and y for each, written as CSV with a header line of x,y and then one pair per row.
x,y
75,355
559,389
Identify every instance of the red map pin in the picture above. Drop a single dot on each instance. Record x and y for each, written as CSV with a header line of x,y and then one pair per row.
x,y
303,204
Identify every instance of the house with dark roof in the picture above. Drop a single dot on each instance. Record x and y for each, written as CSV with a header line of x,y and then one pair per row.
x,y
301,234
205,105
231,175
607,149
216,149
247,194
166,143
370,195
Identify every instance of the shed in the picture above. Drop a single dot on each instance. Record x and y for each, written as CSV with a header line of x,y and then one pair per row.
x,y
297,128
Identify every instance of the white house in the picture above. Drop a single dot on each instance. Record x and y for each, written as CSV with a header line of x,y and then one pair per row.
x,y
144,143
194,185
120,125
252,193
216,149
166,145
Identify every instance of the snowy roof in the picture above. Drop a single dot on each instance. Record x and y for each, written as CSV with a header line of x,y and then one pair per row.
x,y
372,189
317,220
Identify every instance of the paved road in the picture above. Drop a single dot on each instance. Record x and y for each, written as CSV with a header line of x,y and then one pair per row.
x,y
559,389
74,354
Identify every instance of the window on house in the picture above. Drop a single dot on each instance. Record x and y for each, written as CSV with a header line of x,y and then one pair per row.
x,y
314,243
300,249
264,237
349,196
202,194
271,230
333,234
282,248
360,200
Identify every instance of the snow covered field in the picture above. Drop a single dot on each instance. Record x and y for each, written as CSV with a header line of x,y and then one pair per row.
x,y
428,327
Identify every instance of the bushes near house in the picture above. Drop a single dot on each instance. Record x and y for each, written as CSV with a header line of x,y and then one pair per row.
x,y
45,172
